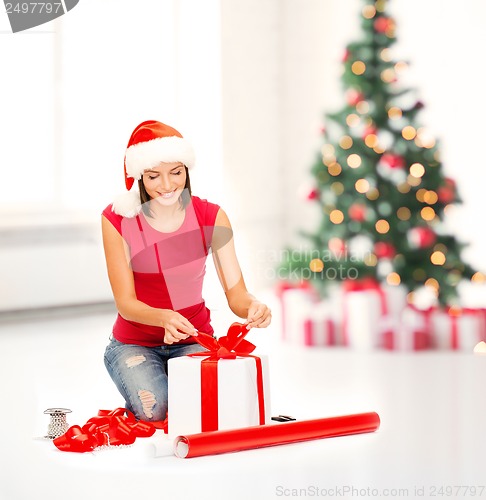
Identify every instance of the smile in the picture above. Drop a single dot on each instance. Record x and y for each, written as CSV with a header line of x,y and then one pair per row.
x,y
168,195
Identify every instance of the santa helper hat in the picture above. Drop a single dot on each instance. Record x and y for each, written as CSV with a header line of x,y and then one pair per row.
x,y
151,143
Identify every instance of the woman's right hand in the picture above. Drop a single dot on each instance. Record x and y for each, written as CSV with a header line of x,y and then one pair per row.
x,y
177,327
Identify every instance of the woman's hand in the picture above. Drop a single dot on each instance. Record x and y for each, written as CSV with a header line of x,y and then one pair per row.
x,y
177,327
259,315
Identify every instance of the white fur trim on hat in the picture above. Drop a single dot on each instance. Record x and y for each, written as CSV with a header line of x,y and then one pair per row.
x,y
127,204
145,155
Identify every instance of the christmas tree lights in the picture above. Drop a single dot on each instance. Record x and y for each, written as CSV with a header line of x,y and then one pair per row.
x,y
379,180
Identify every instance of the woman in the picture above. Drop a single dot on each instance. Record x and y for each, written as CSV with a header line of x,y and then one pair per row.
x,y
156,241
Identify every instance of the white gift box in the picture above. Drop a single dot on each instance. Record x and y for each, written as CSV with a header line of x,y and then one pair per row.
x,y
296,304
438,329
237,394
307,320
414,331
320,328
461,331
396,300
362,317
370,314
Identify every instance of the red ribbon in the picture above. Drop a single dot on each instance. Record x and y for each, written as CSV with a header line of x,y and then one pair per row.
x,y
364,285
481,312
455,313
309,332
423,336
107,428
228,347
283,286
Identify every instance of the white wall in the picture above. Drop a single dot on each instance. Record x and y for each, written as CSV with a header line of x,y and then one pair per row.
x,y
251,56
444,42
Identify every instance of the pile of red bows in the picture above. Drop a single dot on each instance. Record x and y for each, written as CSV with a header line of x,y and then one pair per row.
x,y
108,428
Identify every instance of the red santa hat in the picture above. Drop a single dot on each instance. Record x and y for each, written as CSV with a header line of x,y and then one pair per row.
x,y
151,143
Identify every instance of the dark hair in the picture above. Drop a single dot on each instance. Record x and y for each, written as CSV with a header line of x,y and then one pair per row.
x,y
145,198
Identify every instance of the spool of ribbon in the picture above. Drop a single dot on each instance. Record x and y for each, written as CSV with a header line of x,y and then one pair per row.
x,y
211,443
58,424
108,428
228,347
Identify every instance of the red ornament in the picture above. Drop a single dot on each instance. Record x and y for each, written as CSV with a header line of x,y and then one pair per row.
x,y
446,195
346,55
447,192
357,212
337,246
371,129
314,194
392,161
384,250
421,237
353,97
382,24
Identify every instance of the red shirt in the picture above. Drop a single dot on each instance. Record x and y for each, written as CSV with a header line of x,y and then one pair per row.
x,y
168,269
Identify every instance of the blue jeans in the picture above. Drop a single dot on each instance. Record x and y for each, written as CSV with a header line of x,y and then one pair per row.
x,y
140,374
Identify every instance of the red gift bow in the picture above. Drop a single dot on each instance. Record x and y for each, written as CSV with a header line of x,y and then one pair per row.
x,y
107,428
227,347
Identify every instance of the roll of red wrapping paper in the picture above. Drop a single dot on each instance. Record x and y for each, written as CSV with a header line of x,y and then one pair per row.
x,y
214,442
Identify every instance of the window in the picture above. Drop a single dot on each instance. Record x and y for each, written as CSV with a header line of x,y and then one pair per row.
x,y
27,123
73,89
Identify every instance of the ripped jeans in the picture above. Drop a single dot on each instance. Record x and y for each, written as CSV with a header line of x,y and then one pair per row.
x,y
140,374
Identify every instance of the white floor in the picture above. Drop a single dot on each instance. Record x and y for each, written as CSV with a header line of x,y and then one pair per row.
x,y
432,408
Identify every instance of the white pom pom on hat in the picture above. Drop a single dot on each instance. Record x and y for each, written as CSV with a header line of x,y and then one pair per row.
x,y
127,204
151,143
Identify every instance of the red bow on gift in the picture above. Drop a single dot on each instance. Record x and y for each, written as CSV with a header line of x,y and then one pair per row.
x,y
107,428
283,286
225,347
230,346
359,285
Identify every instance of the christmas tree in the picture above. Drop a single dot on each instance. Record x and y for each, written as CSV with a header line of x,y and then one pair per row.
x,y
379,181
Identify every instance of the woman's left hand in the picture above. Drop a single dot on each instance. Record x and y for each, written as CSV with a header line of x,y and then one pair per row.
x,y
259,315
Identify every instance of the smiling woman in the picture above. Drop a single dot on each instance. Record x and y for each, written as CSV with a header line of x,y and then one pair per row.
x,y
156,242
165,183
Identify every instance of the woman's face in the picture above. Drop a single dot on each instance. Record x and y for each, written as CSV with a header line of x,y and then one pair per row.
x,y
165,182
